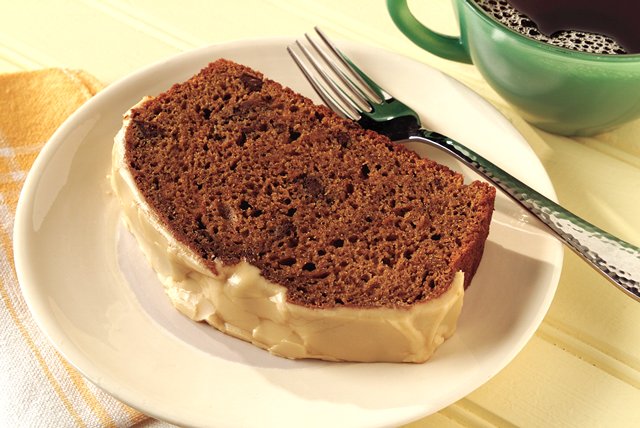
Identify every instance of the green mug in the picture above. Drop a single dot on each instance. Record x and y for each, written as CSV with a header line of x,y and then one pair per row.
x,y
556,89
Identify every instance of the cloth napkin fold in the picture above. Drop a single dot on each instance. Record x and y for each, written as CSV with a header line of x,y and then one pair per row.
x,y
39,388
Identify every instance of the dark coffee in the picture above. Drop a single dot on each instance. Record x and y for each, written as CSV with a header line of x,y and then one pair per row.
x,y
602,27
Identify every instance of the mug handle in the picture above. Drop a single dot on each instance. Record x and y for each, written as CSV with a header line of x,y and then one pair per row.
x,y
447,47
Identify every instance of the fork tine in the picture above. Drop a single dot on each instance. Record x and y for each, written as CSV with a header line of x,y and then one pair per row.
x,y
346,99
347,111
363,100
362,78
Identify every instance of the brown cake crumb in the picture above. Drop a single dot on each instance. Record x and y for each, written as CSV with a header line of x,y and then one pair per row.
x,y
240,168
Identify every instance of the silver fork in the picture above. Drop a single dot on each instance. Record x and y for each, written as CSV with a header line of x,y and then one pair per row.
x,y
352,94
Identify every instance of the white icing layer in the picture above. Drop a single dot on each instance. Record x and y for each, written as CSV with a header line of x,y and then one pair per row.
x,y
241,302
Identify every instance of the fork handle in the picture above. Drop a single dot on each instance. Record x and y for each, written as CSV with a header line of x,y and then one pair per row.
x,y
616,259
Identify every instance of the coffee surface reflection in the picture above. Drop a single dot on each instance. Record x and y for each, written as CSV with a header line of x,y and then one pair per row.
x,y
601,27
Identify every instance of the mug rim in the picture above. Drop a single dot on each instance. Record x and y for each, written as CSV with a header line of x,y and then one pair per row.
x,y
627,57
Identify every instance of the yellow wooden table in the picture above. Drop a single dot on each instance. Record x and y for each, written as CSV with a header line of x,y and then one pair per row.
x,y
582,367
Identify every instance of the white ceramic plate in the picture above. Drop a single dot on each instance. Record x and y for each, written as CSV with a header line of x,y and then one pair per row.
x,y
93,294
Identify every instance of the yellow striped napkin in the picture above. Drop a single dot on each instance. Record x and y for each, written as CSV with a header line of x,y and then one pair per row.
x,y
39,388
